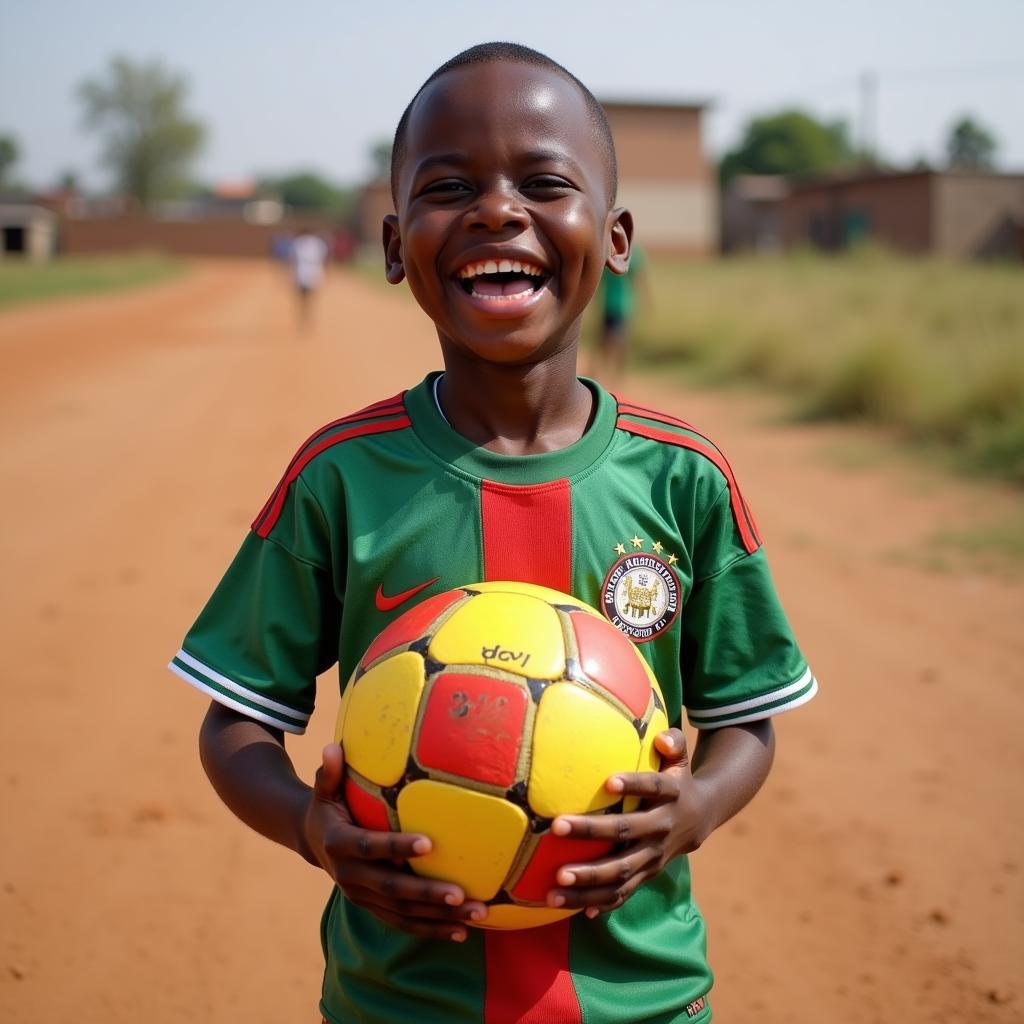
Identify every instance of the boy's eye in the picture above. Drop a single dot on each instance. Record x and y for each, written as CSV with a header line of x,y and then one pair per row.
x,y
546,182
450,186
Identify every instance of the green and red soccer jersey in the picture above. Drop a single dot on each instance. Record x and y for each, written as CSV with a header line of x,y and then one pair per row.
x,y
641,518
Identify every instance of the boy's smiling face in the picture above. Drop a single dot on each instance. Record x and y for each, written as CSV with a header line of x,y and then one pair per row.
x,y
504,222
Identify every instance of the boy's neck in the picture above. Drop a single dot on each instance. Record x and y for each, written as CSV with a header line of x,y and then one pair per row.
x,y
516,410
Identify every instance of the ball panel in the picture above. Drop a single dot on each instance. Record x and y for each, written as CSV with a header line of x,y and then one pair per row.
x,y
514,632
650,759
509,916
472,727
339,722
368,810
475,836
411,625
549,855
618,667
533,590
378,727
579,740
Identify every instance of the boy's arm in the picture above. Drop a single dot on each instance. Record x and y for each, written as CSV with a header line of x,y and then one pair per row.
x,y
252,773
685,802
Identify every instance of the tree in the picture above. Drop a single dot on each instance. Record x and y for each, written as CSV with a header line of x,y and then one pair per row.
x,y
790,142
380,159
148,139
307,190
8,157
68,181
970,146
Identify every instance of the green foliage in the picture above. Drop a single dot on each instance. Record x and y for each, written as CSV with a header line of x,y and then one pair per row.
x,y
307,190
930,350
380,158
21,281
995,545
148,139
970,146
790,142
8,156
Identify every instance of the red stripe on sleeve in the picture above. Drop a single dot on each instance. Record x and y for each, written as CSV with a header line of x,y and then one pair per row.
x,y
387,407
527,536
632,409
298,465
744,522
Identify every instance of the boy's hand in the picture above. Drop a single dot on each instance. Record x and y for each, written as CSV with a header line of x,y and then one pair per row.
x,y
362,863
676,819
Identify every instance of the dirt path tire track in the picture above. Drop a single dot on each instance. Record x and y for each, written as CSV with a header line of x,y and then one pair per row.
x,y
878,876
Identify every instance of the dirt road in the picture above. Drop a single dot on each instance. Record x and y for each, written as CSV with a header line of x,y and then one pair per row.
x,y
877,877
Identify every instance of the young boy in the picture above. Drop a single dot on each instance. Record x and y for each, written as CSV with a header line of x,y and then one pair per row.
x,y
506,466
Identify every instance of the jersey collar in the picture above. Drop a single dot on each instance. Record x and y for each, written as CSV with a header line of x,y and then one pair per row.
x,y
451,447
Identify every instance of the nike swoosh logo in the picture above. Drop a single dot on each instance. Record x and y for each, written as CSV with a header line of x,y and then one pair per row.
x,y
389,604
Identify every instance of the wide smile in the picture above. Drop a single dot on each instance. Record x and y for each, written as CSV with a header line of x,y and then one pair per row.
x,y
502,287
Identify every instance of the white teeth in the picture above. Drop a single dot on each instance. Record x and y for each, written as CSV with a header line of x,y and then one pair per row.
x,y
517,297
504,266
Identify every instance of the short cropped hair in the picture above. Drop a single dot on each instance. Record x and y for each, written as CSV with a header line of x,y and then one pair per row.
x,y
514,53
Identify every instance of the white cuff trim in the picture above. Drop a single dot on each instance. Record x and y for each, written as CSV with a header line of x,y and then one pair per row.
x,y
295,722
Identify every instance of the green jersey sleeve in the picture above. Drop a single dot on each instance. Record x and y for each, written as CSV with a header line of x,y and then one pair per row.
x,y
739,659
271,625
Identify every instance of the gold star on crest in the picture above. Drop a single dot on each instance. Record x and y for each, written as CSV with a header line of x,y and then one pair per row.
x,y
636,542
672,559
620,549
658,546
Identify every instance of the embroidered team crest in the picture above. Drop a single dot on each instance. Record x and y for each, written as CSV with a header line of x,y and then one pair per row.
x,y
641,591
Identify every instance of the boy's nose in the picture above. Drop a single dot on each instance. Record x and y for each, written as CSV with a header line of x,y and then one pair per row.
x,y
495,210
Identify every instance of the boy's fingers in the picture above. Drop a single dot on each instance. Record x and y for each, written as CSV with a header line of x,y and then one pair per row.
x,y
671,744
610,871
606,897
327,783
652,785
424,928
400,887
410,908
617,828
354,843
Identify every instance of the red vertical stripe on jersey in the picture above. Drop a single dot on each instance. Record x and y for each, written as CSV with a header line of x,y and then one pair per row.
x,y
527,533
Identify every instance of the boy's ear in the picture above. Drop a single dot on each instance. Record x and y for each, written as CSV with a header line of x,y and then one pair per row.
x,y
394,271
620,238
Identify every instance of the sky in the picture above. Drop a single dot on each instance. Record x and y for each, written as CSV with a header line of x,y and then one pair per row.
x,y
312,84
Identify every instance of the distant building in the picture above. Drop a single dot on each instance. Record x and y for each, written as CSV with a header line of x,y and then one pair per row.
x,y
958,214
752,213
236,219
27,232
664,177
229,200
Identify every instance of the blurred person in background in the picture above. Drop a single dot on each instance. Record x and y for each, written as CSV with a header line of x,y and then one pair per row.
x,y
618,306
307,257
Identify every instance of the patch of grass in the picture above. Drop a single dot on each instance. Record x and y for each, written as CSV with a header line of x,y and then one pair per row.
x,y
932,350
21,281
996,547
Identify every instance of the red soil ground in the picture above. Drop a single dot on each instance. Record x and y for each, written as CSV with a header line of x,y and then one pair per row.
x,y
878,876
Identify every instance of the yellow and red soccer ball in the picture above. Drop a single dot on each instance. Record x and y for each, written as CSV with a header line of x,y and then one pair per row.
x,y
480,715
